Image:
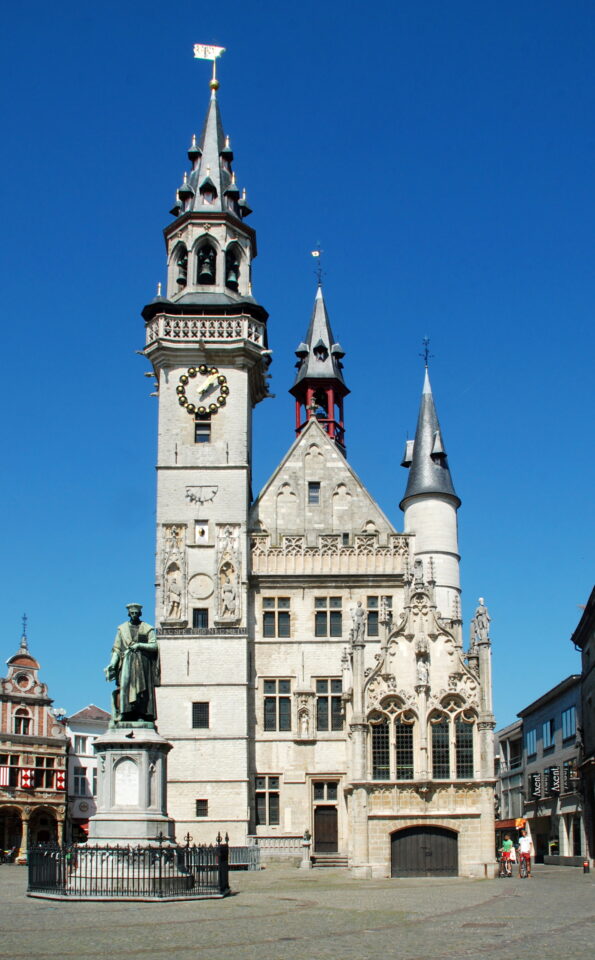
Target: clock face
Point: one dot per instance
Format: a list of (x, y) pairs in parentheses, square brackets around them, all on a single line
[(202, 390)]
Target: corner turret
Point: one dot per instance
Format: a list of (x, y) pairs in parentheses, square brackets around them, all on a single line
[(430, 505)]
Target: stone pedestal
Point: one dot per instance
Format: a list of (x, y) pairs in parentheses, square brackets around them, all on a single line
[(131, 787)]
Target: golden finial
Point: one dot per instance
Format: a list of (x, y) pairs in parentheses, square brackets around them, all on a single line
[(227, 142)]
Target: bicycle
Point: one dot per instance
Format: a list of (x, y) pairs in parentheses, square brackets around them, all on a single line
[(505, 867), (523, 871)]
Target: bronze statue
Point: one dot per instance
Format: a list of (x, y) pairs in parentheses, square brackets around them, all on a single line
[(134, 667)]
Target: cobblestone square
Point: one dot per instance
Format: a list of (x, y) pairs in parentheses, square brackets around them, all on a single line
[(282, 913)]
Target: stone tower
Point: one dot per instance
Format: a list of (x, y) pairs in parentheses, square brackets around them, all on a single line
[(207, 342)]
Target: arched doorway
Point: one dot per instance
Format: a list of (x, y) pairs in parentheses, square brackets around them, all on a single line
[(424, 852), (11, 829), (42, 827)]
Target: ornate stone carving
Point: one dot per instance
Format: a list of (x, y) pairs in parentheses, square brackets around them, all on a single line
[(200, 495), (228, 575), (174, 571)]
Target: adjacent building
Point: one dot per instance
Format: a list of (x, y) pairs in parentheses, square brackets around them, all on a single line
[(510, 788), (584, 639), (314, 676), (553, 806), (82, 729), (33, 750)]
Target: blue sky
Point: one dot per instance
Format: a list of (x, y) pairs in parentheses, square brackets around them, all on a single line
[(441, 154)]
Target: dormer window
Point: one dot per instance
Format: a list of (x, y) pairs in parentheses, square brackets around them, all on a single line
[(208, 190), (206, 259), (320, 351), (22, 722)]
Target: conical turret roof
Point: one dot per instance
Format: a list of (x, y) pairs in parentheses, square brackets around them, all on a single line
[(425, 457), (319, 355)]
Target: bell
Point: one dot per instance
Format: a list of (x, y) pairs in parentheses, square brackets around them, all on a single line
[(232, 277), (205, 274)]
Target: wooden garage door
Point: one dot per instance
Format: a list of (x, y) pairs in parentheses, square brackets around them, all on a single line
[(424, 852), (325, 830)]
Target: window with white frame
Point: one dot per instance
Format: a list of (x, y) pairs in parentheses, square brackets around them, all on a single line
[(22, 722), (80, 744)]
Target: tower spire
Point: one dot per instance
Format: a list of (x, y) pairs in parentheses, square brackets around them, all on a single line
[(425, 457), (319, 387)]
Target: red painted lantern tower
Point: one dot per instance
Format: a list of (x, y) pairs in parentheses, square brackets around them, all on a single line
[(319, 387)]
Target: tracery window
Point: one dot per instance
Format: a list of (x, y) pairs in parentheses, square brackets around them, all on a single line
[(464, 748), (440, 749), (392, 743), (452, 741), (380, 750), (404, 748)]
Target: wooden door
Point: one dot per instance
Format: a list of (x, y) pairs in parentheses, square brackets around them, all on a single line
[(326, 834), (424, 852)]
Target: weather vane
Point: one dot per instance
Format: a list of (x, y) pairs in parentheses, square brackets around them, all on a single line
[(24, 624), (317, 254), (426, 350), (204, 52)]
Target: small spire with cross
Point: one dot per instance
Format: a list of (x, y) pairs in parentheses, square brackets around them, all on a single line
[(24, 636), (425, 354)]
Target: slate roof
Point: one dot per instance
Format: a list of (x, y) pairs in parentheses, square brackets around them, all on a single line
[(319, 356), (426, 457)]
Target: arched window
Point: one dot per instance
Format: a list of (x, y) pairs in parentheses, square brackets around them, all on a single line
[(464, 747), (380, 749), (181, 266), (404, 747), (22, 722), (206, 264), (232, 267), (440, 748)]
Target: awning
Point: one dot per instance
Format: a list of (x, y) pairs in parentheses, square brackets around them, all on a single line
[(516, 824)]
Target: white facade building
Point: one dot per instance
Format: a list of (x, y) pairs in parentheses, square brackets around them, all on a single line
[(313, 672), (82, 730)]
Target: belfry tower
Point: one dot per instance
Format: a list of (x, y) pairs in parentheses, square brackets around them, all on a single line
[(207, 342), (319, 387)]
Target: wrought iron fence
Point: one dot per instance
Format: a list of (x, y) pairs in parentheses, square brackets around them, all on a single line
[(122, 872)]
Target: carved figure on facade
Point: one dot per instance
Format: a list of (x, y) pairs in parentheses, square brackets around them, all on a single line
[(423, 672), (480, 625), (174, 571), (228, 578), (174, 594), (358, 618)]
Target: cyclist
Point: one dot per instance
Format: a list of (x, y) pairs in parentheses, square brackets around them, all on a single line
[(506, 851), (525, 851)]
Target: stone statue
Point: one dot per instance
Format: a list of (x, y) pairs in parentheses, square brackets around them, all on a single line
[(358, 615), (422, 671), (174, 598), (482, 622), (134, 667), (228, 599)]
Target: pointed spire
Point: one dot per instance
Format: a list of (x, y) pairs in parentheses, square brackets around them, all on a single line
[(319, 355), (425, 457), (24, 643), (211, 185)]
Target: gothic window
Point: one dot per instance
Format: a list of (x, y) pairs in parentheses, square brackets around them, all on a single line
[(380, 750), (328, 617), (267, 801), (440, 749), (232, 267), (277, 705), (181, 266), (22, 722), (80, 782), (200, 715), (202, 808), (329, 713), (276, 619), (404, 748), (314, 492), (206, 264), (464, 748)]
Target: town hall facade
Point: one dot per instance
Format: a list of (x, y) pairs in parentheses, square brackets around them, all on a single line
[(314, 679)]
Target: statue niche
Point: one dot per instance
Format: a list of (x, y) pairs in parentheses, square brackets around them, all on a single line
[(173, 593)]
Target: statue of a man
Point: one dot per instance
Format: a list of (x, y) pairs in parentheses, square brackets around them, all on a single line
[(134, 667), (228, 599), (482, 621), (358, 615)]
